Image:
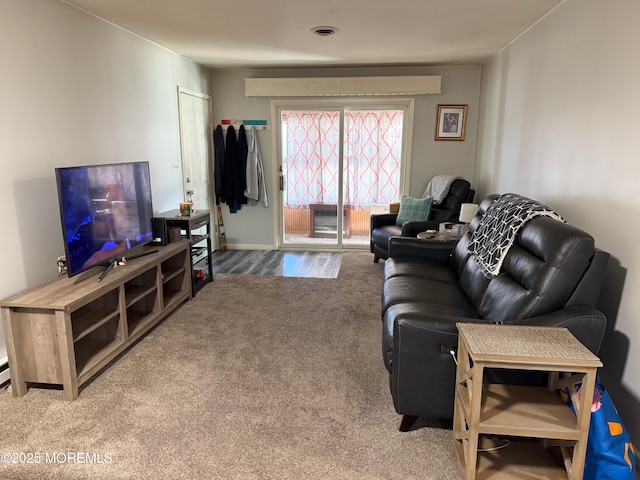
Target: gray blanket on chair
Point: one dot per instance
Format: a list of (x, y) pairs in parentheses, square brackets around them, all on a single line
[(439, 187)]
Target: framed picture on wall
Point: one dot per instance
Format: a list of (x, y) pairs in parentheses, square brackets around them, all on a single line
[(451, 122)]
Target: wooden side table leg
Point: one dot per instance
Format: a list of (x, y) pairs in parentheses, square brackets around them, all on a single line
[(474, 419), (466, 423), (583, 418), (460, 426)]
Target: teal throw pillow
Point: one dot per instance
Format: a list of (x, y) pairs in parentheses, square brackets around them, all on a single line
[(414, 210)]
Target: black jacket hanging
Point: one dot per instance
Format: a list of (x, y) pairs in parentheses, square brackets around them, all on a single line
[(243, 151), (218, 161), (230, 153), (234, 170)]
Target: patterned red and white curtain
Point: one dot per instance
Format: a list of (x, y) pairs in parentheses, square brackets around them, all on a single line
[(372, 153)]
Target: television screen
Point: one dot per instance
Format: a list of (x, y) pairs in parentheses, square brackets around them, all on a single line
[(105, 211)]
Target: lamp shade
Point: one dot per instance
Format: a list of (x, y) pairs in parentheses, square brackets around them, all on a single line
[(467, 212)]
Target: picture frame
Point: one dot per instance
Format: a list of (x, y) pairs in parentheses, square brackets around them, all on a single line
[(451, 122)]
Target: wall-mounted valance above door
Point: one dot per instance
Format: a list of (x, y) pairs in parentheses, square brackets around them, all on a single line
[(342, 86)]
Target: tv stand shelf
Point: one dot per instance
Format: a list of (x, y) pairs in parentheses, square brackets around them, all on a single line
[(65, 331)]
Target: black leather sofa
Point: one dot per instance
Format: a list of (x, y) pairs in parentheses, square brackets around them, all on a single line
[(383, 226), (551, 275)]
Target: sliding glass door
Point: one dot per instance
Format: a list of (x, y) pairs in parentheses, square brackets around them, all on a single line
[(371, 164), (311, 146), (336, 165)]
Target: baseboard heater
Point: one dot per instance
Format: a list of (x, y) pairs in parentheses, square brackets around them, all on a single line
[(4, 370)]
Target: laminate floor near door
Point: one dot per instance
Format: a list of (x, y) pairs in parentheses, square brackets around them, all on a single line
[(277, 263)]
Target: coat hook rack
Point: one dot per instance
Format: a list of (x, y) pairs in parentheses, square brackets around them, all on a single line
[(258, 124)]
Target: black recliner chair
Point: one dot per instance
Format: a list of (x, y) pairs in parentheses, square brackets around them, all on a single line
[(384, 226)]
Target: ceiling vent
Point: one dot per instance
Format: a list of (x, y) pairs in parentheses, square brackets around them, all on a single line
[(324, 31)]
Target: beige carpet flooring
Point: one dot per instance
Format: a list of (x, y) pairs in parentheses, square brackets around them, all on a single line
[(258, 377)]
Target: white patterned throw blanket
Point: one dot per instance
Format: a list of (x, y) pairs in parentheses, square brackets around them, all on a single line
[(499, 226)]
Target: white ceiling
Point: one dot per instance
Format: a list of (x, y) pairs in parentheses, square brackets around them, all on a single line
[(276, 33)]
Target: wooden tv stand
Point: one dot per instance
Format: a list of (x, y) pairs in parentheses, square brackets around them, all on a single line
[(63, 332)]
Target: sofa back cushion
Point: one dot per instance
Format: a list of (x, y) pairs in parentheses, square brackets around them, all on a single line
[(539, 273)]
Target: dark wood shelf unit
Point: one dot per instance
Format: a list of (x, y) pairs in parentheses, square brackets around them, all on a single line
[(197, 229)]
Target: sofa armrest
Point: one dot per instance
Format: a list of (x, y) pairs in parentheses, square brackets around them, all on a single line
[(382, 219), (585, 323), (411, 229), (419, 334), (414, 247), (422, 373), (416, 352)]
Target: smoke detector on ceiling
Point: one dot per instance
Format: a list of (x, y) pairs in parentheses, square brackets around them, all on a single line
[(324, 31)]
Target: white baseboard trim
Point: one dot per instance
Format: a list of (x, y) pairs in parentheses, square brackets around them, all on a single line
[(246, 246), (305, 248)]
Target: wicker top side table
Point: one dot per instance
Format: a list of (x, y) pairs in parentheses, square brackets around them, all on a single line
[(503, 431)]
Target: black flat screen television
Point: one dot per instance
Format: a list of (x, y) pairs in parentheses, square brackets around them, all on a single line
[(106, 210)]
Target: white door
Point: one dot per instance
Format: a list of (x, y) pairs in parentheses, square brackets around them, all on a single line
[(195, 135)]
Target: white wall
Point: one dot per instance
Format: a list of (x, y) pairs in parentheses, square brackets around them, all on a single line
[(253, 226), (76, 90), (559, 122)]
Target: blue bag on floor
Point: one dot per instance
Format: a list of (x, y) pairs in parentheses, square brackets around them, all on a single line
[(610, 453)]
